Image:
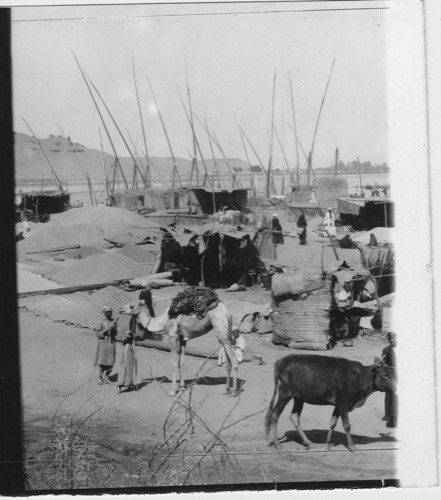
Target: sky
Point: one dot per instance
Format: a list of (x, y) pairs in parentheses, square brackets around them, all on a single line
[(231, 52)]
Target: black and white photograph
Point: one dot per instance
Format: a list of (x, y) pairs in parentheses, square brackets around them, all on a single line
[(212, 248)]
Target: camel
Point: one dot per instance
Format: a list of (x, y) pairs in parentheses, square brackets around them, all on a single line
[(186, 327)]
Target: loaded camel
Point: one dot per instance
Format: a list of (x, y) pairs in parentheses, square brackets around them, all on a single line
[(184, 327)]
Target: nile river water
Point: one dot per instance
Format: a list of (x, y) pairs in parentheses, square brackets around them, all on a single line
[(80, 192)]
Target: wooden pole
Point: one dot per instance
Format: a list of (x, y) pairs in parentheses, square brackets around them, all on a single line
[(318, 120), (117, 163), (106, 181), (175, 167), (148, 174), (336, 162), (135, 166), (93, 200), (56, 178), (253, 149), (268, 179), (212, 153), (194, 161), (194, 167), (295, 132)]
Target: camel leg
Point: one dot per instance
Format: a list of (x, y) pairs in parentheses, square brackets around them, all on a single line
[(235, 367), (347, 428), (181, 359), (295, 419), (332, 424), (175, 361), (228, 382)]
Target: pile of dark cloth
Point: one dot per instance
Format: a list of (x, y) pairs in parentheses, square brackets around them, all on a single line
[(193, 300)]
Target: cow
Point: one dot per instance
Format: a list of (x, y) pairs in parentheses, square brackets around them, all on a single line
[(324, 380)]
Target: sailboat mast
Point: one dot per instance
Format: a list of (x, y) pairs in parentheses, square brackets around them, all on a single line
[(295, 133), (268, 179), (106, 181), (175, 167), (117, 162), (148, 174), (56, 178), (318, 121)]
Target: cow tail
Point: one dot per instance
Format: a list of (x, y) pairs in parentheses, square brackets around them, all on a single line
[(269, 414)]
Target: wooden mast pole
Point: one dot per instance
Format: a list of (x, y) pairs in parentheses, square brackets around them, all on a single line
[(206, 174), (117, 162), (136, 168), (93, 200), (336, 162), (175, 167), (282, 149), (212, 152), (106, 180), (194, 161), (56, 178), (268, 179), (148, 173), (318, 121), (295, 132)]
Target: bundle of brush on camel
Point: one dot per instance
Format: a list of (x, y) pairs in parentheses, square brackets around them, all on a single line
[(194, 312)]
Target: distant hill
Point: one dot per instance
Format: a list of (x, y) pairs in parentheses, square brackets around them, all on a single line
[(30, 162)]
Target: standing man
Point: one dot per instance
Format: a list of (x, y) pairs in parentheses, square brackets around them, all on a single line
[(277, 231), (301, 228), (390, 400), (146, 296), (106, 332)]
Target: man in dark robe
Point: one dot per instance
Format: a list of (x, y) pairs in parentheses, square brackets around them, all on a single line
[(390, 400), (301, 228), (146, 296), (192, 262), (277, 231)]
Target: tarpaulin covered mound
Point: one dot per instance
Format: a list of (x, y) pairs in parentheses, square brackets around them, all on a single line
[(382, 235), (100, 268), (84, 309), (145, 253), (53, 237), (111, 220)]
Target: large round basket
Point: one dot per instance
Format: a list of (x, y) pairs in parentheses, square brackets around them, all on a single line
[(301, 320)]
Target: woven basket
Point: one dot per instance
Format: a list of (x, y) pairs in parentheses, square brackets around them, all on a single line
[(301, 321)]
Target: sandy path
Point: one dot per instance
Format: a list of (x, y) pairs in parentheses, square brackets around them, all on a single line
[(56, 362)]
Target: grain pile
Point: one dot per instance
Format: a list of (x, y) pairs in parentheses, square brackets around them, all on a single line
[(111, 220), (52, 237), (100, 268), (82, 253), (30, 282), (83, 309), (144, 253)]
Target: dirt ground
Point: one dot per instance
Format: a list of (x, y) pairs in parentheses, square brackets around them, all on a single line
[(59, 381)]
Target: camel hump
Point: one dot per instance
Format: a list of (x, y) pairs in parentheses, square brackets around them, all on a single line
[(193, 300)]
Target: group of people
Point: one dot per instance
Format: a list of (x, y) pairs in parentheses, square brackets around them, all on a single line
[(105, 356)]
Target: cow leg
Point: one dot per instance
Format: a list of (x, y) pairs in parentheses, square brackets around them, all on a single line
[(295, 419), (347, 428), (282, 401), (332, 424)]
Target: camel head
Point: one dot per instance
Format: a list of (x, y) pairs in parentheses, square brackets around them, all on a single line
[(132, 309)]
